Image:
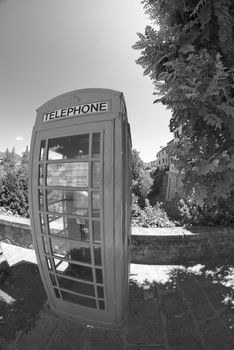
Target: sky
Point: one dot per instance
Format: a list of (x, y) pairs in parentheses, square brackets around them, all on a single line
[(49, 47)]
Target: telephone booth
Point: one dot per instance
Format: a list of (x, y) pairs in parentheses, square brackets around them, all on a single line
[(80, 198)]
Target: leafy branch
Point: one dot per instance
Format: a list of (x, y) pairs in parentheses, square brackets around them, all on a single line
[(189, 58)]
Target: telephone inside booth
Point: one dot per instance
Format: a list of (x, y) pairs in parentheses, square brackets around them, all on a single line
[(80, 198)]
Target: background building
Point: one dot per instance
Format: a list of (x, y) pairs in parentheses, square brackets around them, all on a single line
[(175, 187), (163, 156), (172, 179)]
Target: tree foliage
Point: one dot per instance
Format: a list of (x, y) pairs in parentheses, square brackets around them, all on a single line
[(137, 165), (14, 183), (151, 216), (9, 161), (157, 183), (137, 172), (141, 179), (188, 52)]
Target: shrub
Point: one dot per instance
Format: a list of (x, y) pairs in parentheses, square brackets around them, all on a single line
[(14, 184), (151, 216), (172, 209), (210, 213), (157, 176)]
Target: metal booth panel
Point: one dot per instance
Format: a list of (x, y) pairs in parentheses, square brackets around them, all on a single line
[(122, 213), (72, 208)]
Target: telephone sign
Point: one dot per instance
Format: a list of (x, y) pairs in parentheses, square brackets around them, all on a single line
[(89, 108)]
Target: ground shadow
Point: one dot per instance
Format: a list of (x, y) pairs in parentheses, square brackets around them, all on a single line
[(195, 303), (22, 296)]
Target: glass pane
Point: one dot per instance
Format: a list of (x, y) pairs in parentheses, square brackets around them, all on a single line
[(77, 229), (100, 292), (77, 299), (68, 174), (58, 201), (101, 305), (99, 278), (42, 150), (97, 256), (75, 286), (81, 203), (78, 271), (57, 226), (56, 293), (68, 202), (49, 265), (96, 231), (95, 204), (53, 281), (45, 245), (95, 174), (69, 147), (70, 250), (41, 200), (41, 175), (42, 223), (60, 265), (96, 145)]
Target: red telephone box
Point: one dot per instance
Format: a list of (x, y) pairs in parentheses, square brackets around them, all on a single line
[(80, 198)]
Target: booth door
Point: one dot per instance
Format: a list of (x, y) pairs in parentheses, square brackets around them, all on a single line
[(72, 212)]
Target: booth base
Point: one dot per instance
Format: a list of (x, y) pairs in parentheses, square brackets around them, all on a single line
[(84, 322)]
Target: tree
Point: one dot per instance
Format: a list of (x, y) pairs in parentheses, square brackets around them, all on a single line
[(145, 185), (9, 161), (14, 183), (188, 53), (25, 159), (137, 165), (23, 177), (157, 182), (137, 172), (141, 180)]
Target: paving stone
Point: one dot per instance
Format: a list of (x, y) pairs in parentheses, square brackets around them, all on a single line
[(216, 293), (139, 347), (39, 336), (227, 317), (173, 303), (142, 292), (68, 335), (103, 339), (196, 299), (185, 346), (135, 292), (4, 344), (144, 324), (21, 299), (181, 332), (216, 337)]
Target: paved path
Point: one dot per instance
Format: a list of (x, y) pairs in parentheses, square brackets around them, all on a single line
[(177, 308), (15, 254)]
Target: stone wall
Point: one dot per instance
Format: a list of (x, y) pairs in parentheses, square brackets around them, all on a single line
[(179, 245), (175, 186), (16, 230), (149, 246)]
